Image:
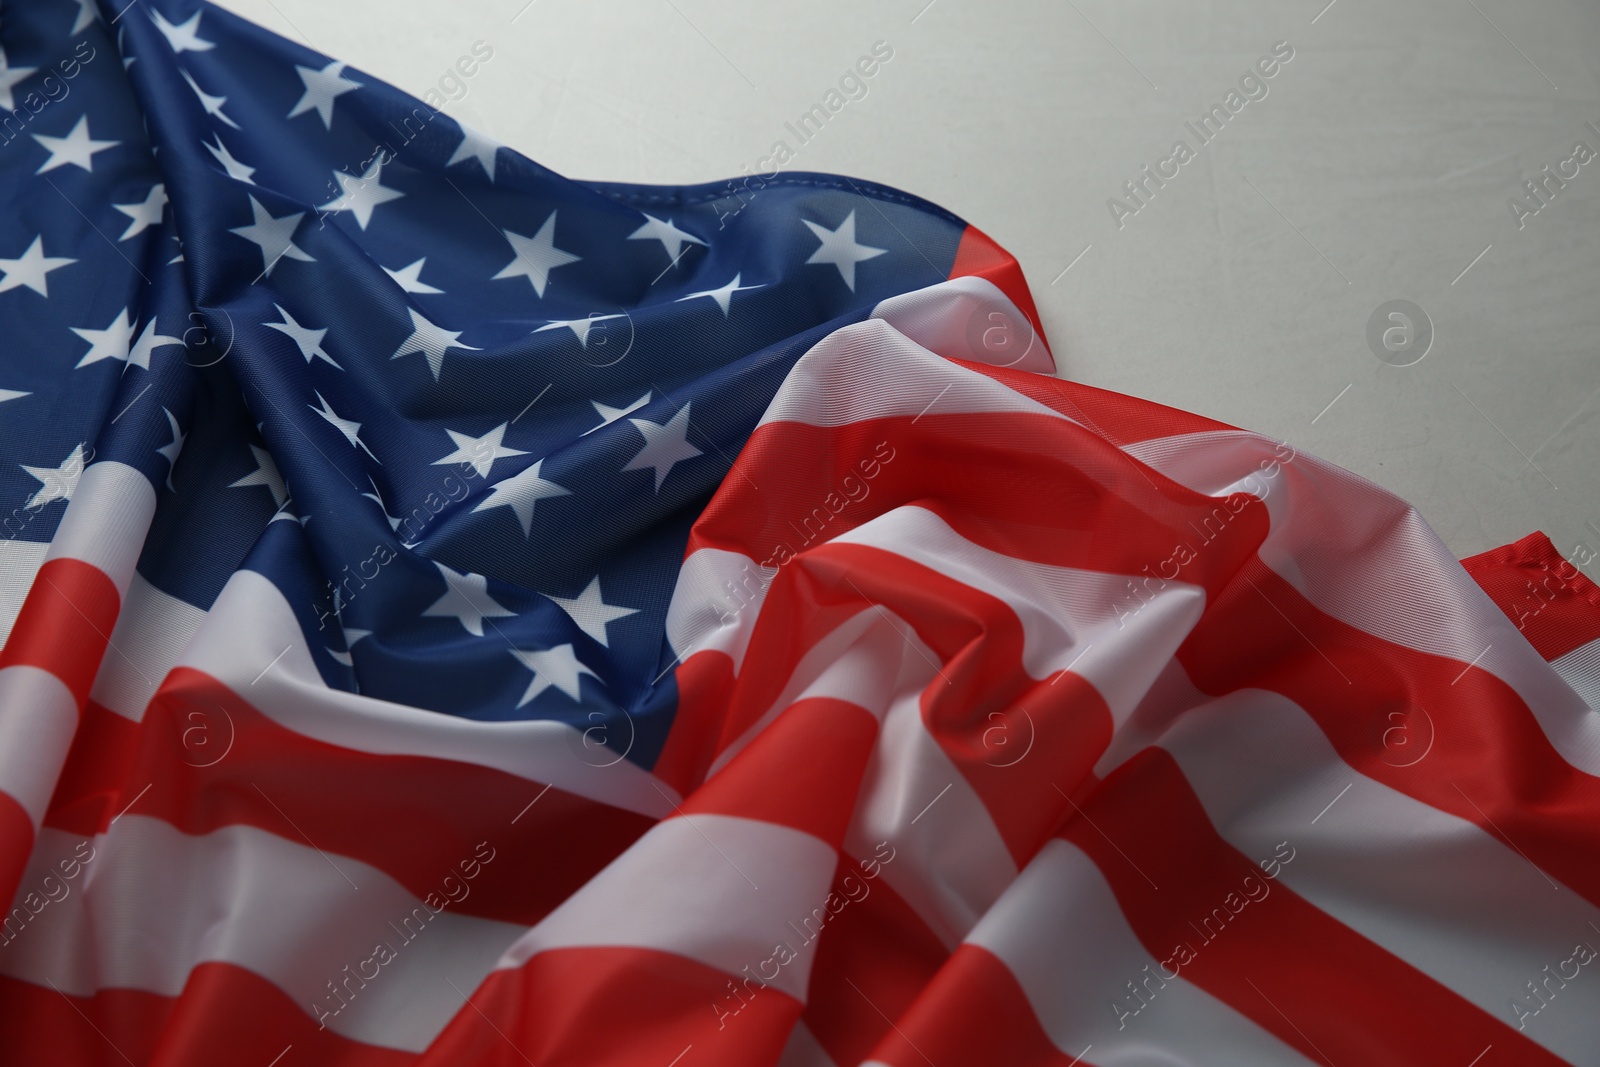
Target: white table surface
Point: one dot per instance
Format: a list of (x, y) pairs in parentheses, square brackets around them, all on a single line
[(1378, 166)]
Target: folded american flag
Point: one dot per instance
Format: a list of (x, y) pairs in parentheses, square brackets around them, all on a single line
[(453, 614)]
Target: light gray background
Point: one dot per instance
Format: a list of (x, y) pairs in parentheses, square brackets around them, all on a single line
[(1379, 166)]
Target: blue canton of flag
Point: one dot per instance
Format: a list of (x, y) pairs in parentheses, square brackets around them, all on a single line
[(460, 409)]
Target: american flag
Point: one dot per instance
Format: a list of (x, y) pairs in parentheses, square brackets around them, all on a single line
[(454, 614)]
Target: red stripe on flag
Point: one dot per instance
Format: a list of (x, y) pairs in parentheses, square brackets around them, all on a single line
[(802, 771), (974, 1014), (1490, 748), (1554, 604), (876, 954), (615, 1007), (16, 843), (705, 686), (979, 256), (1490, 761), (1280, 961), (997, 478), (799, 612), (225, 1014), (65, 624), (414, 818), (1121, 419), (987, 701), (85, 798)]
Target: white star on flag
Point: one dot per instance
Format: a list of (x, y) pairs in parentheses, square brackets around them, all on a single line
[(182, 37), (557, 668), (309, 341), (117, 342), (266, 474), (211, 104), (56, 483), (839, 248), (30, 269), (431, 340), (360, 196), (536, 256), (410, 278), (724, 295), (170, 451), (350, 429), (377, 498), (475, 145), (609, 414), (76, 148), (274, 236), (466, 600), (323, 87), (672, 239), (665, 446), (146, 213), (139, 355), (235, 169), (9, 77), (521, 493), (87, 13), (109, 343), (481, 452), (590, 611), (351, 636)]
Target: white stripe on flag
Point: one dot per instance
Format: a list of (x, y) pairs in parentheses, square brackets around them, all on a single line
[(716, 889), (1405, 588), (950, 862), (38, 717), (19, 563), (1580, 669), (1061, 933), (968, 318), (1069, 616), (252, 642), (1423, 884), (152, 631), (153, 903), (869, 370), (106, 523)]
